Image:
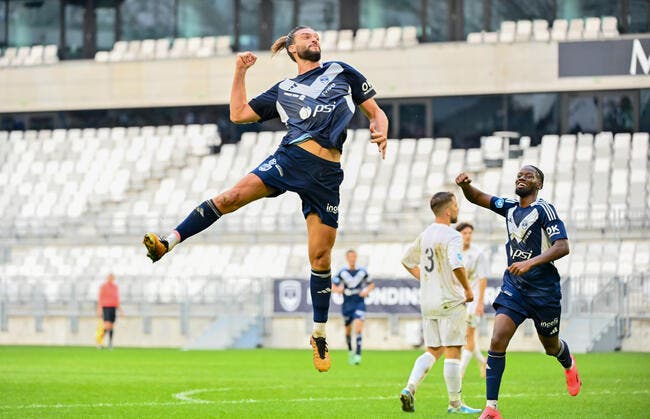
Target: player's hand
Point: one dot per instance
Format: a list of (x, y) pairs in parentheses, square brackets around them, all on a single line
[(469, 296), (520, 268), (480, 310), (245, 60), (380, 139), (463, 179), (363, 293)]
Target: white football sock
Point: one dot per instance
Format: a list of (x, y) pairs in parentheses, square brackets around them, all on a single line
[(491, 403), (478, 355), (465, 357), (453, 380), (172, 240), (319, 330), (420, 369)]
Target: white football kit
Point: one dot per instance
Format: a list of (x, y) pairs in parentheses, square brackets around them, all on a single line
[(476, 267), (438, 251)]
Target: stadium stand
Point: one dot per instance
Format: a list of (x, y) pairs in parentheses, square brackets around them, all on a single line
[(29, 56), (332, 40), (587, 29), (76, 201), (122, 181)]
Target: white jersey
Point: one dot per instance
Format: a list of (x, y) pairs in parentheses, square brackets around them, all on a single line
[(476, 267), (437, 251)]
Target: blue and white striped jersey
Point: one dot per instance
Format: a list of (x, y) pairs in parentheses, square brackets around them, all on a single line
[(318, 104), (531, 230)]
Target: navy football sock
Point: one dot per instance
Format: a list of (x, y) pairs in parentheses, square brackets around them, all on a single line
[(496, 363), (359, 344), (320, 284), (199, 219), (564, 356), (348, 340)]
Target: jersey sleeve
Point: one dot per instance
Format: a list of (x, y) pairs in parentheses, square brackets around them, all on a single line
[(553, 226), (264, 104), (411, 258), (501, 205), (362, 89), (455, 252)]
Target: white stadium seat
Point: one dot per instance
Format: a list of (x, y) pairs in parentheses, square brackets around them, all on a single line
[(540, 30), (524, 30), (559, 30), (610, 27), (576, 29), (507, 31)]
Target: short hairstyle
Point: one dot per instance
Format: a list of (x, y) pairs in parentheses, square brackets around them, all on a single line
[(350, 251), (462, 226), (439, 201), (540, 174)]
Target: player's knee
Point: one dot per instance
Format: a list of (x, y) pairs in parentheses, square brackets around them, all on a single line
[(320, 259), (229, 200), (499, 342)]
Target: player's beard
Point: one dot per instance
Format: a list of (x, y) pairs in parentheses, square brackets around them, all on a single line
[(453, 219), (524, 192), (309, 55)]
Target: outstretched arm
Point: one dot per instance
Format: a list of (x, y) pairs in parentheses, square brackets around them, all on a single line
[(558, 249), (473, 195), (240, 111), (378, 124)]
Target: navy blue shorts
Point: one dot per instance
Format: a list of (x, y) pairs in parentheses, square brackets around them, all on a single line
[(314, 179), (353, 311), (545, 312)]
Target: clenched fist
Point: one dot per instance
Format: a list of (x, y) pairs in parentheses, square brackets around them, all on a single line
[(245, 60), (463, 179)]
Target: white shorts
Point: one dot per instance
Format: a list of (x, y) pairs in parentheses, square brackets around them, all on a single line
[(446, 331)]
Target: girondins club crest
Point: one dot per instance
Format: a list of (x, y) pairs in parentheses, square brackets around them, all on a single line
[(290, 294)]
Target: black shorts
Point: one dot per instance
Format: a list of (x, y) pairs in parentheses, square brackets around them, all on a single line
[(545, 312), (314, 179), (109, 314)]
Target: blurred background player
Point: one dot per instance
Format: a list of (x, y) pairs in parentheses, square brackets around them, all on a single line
[(316, 106), (531, 283), (355, 284), (108, 303), (435, 259), (476, 268)]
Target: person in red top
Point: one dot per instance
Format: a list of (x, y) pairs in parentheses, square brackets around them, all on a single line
[(107, 305)]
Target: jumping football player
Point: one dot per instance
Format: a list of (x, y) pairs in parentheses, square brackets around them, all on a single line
[(476, 267), (316, 106), (435, 259), (531, 283), (355, 285)]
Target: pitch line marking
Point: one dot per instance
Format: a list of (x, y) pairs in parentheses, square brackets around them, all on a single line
[(192, 401)]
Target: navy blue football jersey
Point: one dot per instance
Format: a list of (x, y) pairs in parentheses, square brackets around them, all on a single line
[(318, 104), (353, 281), (531, 230)]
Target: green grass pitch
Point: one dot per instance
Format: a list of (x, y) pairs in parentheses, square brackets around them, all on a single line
[(84, 382)]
